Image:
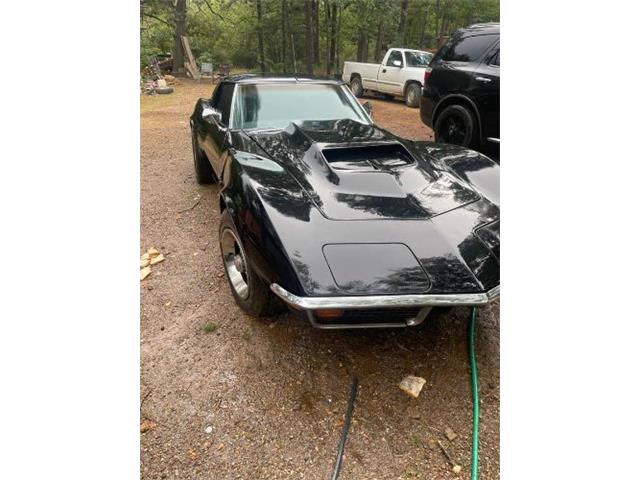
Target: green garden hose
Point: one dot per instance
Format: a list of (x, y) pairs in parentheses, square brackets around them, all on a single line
[(474, 393)]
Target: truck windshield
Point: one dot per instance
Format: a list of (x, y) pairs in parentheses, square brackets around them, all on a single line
[(276, 105), (418, 59)]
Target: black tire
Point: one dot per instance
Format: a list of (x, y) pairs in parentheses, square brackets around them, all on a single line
[(164, 90), (259, 301), (201, 165), (412, 97), (356, 86), (456, 125)]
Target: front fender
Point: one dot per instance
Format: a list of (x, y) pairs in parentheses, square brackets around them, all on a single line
[(473, 168), (247, 182)]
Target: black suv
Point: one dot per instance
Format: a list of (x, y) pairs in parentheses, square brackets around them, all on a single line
[(461, 96)]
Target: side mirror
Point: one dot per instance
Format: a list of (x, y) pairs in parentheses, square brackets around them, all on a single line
[(368, 108), (209, 113), (397, 63)]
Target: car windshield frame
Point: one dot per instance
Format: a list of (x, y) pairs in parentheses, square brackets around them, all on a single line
[(416, 53), (237, 115)]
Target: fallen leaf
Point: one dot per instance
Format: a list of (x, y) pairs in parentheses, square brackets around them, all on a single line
[(153, 252), (145, 272), (147, 425), (157, 259), (450, 434), (144, 263)]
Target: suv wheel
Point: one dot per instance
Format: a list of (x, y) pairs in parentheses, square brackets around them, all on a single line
[(413, 95), (356, 86), (456, 125)]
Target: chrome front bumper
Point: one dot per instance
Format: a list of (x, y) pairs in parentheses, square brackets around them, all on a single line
[(426, 301)]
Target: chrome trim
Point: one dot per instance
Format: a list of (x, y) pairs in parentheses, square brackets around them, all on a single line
[(412, 322), (494, 140), (377, 301), (493, 293)]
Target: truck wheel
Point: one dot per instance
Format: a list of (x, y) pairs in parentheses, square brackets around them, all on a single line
[(413, 95), (456, 125), (201, 165), (249, 291), (356, 86)]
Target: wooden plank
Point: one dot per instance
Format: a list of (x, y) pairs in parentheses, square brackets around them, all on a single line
[(193, 74), (192, 61)]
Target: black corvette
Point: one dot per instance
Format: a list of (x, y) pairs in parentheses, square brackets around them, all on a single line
[(338, 218)]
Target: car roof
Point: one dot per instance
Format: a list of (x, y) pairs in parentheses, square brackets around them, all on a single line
[(253, 78), (409, 49), (492, 27)]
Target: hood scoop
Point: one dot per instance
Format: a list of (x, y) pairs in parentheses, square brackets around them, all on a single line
[(375, 179), (368, 158)]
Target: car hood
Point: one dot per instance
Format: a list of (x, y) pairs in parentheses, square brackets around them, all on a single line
[(353, 171), (375, 221)]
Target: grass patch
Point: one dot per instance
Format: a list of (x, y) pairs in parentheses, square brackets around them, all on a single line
[(149, 103), (210, 327)]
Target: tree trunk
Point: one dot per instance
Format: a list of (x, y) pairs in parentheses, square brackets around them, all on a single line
[(402, 26), (424, 17), (181, 28), (260, 37), (308, 40), (378, 51), (334, 32), (338, 25), (359, 44), (363, 45), (327, 21), (436, 30), (446, 22), (293, 54), (316, 31), (284, 35)]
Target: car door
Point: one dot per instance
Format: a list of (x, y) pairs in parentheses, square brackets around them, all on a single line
[(390, 74), (486, 92), (216, 125)]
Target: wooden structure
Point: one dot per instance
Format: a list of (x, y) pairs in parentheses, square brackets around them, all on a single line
[(190, 63)]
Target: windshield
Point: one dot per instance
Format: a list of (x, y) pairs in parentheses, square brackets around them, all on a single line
[(418, 59), (276, 105)]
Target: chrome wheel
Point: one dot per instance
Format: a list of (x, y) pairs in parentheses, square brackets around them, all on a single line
[(356, 87), (235, 263), (412, 95)]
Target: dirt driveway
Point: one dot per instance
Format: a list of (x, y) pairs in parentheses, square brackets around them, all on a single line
[(229, 397)]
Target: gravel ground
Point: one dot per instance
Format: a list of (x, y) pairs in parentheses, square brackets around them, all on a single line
[(230, 397)]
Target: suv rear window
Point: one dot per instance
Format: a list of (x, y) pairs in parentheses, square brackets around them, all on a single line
[(466, 49)]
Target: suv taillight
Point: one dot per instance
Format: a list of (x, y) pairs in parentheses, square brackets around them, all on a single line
[(427, 74)]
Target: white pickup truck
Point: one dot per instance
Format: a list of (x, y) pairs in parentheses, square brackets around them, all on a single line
[(401, 74)]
